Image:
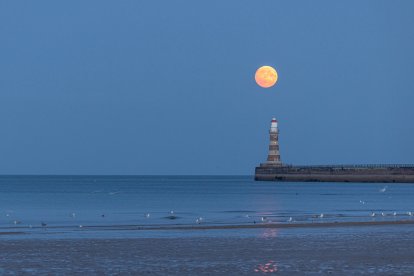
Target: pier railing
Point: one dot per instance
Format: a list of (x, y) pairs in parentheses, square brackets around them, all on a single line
[(353, 166)]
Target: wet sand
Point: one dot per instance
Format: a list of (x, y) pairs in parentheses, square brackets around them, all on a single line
[(7, 231), (383, 250), (283, 225)]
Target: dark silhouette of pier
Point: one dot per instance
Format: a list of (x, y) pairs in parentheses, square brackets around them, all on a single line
[(382, 173)]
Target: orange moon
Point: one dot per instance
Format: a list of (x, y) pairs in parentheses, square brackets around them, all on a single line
[(266, 76)]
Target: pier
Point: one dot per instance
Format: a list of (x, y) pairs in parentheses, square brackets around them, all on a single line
[(393, 173), (274, 170)]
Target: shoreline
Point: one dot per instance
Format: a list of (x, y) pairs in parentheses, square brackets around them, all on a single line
[(213, 227), (285, 225)]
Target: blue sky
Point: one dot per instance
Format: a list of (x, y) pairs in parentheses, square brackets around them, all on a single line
[(167, 87)]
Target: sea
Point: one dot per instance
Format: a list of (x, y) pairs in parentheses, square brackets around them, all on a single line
[(60, 207)]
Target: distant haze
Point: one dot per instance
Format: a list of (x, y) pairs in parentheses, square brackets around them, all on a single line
[(167, 87)]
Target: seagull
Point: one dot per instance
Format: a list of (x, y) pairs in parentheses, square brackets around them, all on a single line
[(16, 222), (321, 215), (383, 189), (373, 214), (362, 202), (198, 221), (80, 226), (394, 214), (247, 216), (147, 215), (409, 213), (382, 214), (290, 219), (263, 218), (73, 215)]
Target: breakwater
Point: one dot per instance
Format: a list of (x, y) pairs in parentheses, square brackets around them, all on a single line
[(395, 173)]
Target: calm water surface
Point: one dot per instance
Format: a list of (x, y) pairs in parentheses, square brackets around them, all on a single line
[(68, 204)]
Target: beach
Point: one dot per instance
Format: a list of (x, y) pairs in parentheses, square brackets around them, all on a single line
[(375, 250), (143, 225)]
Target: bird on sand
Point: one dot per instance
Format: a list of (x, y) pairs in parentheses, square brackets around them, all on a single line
[(382, 190)]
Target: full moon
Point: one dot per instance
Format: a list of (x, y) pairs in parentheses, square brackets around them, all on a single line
[(266, 76)]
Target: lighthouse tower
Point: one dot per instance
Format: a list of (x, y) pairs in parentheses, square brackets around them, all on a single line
[(273, 158)]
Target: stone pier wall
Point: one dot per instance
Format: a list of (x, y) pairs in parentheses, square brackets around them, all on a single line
[(357, 173)]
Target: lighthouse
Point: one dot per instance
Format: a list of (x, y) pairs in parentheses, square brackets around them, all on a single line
[(273, 158)]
